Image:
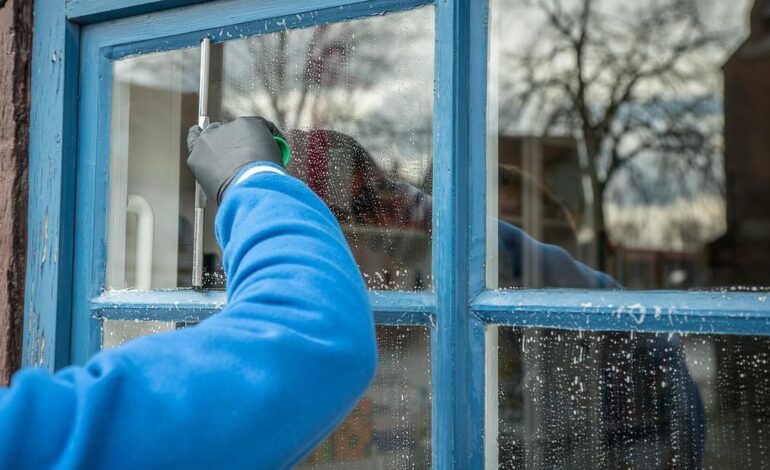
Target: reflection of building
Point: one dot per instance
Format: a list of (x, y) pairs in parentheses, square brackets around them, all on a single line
[(540, 188), (741, 256), (655, 269), (149, 161), (540, 192)]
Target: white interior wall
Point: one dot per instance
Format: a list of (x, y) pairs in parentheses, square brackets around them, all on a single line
[(153, 173)]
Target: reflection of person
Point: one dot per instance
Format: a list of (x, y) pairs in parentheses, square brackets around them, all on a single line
[(657, 413), (257, 386)]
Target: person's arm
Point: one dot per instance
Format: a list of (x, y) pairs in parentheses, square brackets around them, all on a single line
[(556, 267), (256, 386)]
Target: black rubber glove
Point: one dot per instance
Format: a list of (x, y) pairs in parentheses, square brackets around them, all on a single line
[(220, 150)]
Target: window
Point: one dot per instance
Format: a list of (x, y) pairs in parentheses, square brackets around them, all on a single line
[(561, 213)]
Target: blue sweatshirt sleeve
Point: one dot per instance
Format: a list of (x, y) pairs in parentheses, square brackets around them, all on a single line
[(257, 386)]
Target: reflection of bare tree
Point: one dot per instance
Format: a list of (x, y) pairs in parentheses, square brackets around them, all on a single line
[(313, 76), (627, 83), (326, 77), (273, 59)]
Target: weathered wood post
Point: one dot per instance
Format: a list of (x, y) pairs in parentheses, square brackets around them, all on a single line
[(15, 56)]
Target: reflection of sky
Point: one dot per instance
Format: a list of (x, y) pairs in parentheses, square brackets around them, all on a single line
[(518, 27), (518, 19), (377, 86), (382, 92)]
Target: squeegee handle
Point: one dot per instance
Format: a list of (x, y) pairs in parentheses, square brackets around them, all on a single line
[(200, 195)]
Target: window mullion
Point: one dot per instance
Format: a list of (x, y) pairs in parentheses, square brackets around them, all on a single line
[(452, 254)]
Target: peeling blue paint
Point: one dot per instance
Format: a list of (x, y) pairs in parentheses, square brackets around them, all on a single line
[(51, 181)]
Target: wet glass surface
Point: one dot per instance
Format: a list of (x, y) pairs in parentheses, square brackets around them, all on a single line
[(117, 332), (355, 102), (390, 426), (629, 138), (582, 400)]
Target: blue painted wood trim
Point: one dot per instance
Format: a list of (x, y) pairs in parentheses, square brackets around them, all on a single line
[(477, 393), (53, 143), (91, 11), (92, 191), (476, 186), (477, 213), (96, 335), (94, 11), (232, 19), (450, 351), (746, 313), (403, 308), (390, 308), (169, 306)]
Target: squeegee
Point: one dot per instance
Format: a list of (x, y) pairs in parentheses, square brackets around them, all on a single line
[(200, 195)]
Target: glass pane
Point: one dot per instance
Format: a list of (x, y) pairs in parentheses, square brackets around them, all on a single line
[(355, 101), (581, 400), (389, 428), (629, 138), (117, 332)]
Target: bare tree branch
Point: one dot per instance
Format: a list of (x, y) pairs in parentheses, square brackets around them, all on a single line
[(625, 85)]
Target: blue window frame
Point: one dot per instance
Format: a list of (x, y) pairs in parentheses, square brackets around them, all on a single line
[(75, 43)]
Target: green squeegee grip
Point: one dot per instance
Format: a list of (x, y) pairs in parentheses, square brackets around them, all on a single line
[(285, 150)]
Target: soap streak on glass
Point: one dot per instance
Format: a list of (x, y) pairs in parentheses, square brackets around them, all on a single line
[(355, 101), (585, 400)]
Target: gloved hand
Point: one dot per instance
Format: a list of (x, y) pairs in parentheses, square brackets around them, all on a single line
[(220, 150)]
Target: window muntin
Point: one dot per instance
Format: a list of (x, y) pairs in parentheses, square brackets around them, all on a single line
[(355, 100), (627, 135)]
